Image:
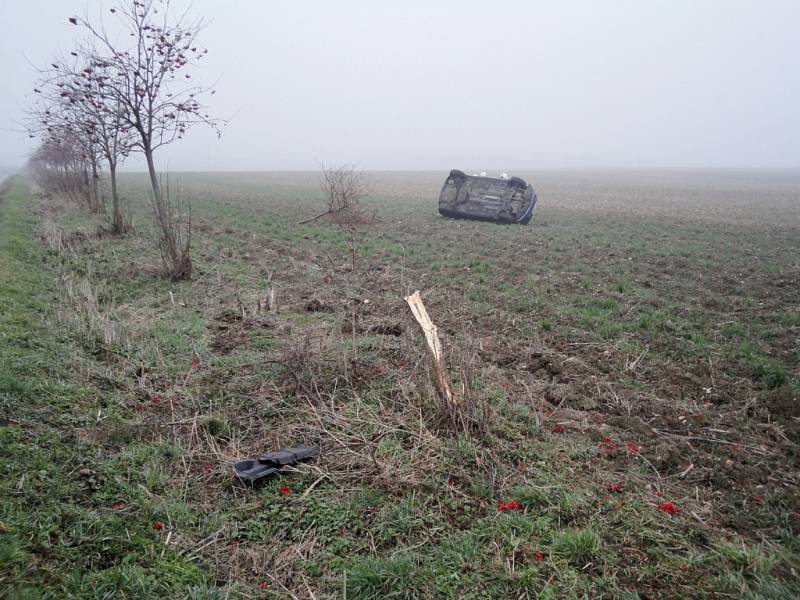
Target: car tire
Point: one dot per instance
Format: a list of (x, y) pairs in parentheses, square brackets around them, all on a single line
[(526, 217), (457, 175), (504, 218), (517, 182)]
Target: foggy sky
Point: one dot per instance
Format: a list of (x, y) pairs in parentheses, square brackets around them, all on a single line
[(437, 85)]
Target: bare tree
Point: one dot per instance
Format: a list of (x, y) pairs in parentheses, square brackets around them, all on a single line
[(61, 166), (74, 95), (149, 83), (104, 120)]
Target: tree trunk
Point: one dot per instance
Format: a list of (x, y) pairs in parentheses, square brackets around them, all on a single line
[(96, 204), (117, 220), (87, 190), (161, 210), (151, 169), (175, 255)]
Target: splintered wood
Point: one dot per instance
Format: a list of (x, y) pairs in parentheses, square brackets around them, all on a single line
[(268, 302), (433, 346)]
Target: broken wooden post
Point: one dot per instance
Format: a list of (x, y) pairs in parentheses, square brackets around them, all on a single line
[(433, 346), (269, 302), (272, 301)]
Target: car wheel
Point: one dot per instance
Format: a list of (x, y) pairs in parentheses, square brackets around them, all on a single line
[(528, 214), (457, 175), (504, 218), (517, 182)]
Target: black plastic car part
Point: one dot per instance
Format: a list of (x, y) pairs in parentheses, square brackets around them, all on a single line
[(479, 198), (253, 469)]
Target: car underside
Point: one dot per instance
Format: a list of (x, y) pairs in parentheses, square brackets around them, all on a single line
[(481, 198)]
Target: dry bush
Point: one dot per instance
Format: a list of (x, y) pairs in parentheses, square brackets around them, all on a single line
[(469, 413), (174, 231), (54, 237), (415, 412), (344, 187), (328, 407)]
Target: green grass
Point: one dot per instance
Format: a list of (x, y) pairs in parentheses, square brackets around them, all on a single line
[(60, 536), (771, 372), (577, 547)]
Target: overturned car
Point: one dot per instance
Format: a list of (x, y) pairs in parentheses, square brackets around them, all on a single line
[(482, 198)]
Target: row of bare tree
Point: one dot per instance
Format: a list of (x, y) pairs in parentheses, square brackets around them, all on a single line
[(107, 100), (63, 167)]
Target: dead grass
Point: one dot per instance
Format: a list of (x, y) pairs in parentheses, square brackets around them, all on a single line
[(81, 311)]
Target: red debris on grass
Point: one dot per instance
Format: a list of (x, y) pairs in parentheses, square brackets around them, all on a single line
[(758, 499), (669, 508), (504, 505), (558, 428), (156, 400), (341, 406), (12, 422), (608, 445), (118, 506), (195, 362), (158, 526), (284, 490), (614, 487), (633, 448), (522, 465), (263, 585), (139, 408), (538, 556)]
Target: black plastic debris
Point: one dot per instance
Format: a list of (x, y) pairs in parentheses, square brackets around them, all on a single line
[(253, 469)]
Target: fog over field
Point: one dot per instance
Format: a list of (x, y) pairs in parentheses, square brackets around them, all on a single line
[(421, 85)]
